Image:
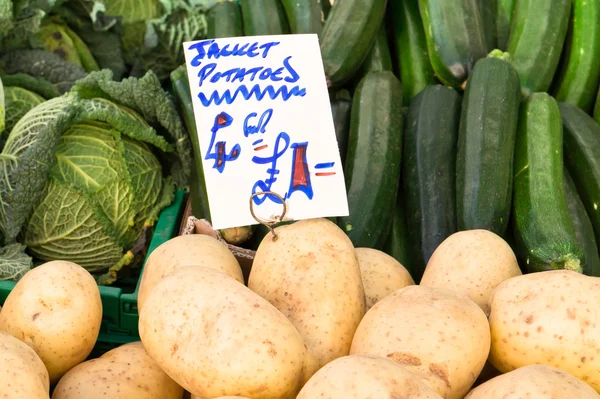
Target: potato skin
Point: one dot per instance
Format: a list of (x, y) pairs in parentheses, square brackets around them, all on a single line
[(22, 372), (441, 336), (187, 250), (471, 262), (126, 372), (311, 274), (56, 309), (381, 274), (534, 381), (216, 337), (550, 318), (365, 376)]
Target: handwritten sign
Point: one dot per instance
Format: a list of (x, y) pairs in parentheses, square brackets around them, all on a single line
[(264, 123)]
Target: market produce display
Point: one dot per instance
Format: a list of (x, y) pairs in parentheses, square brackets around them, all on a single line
[(468, 266)]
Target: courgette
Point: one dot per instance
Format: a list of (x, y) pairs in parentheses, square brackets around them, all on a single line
[(198, 192), (576, 80), (429, 171), (536, 40), (304, 16), (264, 17), (583, 227), (378, 59), (340, 111), (348, 36), (372, 168), (397, 245), (581, 148), (224, 20), (488, 10), (410, 48), (486, 143), (455, 37), (544, 231), (504, 12)]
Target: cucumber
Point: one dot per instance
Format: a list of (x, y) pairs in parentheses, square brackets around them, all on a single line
[(486, 143), (340, 111), (347, 37), (397, 245), (536, 39), (198, 192), (264, 17), (544, 232), (581, 148), (488, 10), (576, 81), (304, 16), (410, 48), (372, 169), (429, 171), (224, 20), (583, 227), (455, 37), (504, 12)]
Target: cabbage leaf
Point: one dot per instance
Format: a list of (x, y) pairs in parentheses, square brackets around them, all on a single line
[(14, 262)]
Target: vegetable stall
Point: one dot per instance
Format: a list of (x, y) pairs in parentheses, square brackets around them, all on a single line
[(468, 264)]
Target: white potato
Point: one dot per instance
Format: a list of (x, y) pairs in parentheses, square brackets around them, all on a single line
[(56, 309), (311, 274), (550, 318), (439, 335), (381, 274), (186, 250), (473, 263), (216, 337), (535, 382), (22, 372), (126, 372), (365, 376)]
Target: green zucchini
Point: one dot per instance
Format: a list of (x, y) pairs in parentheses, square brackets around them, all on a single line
[(264, 17), (378, 59), (455, 37), (224, 20), (576, 81), (372, 169), (583, 227), (581, 148), (198, 193), (340, 111), (504, 12), (536, 40), (488, 10), (304, 16), (397, 245), (429, 171), (486, 143), (410, 48), (347, 37), (544, 231)]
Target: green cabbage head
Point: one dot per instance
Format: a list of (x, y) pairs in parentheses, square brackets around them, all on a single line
[(80, 176), (102, 189)]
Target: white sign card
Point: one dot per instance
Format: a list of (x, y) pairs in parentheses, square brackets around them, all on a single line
[(264, 123)]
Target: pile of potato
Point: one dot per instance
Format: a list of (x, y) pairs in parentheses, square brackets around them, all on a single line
[(317, 318)]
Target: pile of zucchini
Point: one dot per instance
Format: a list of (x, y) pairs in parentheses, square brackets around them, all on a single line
[(457, 115)]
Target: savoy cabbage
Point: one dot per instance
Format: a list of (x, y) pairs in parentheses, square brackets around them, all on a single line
[(81, 174)]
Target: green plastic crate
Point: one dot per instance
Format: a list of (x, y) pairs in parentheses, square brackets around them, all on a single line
[(119, 305)]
